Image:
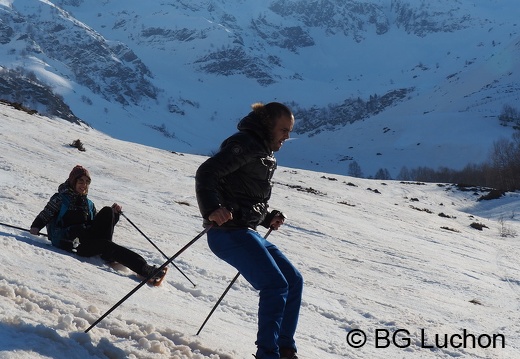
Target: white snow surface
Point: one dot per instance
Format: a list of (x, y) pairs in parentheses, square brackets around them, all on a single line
[(376, 256)]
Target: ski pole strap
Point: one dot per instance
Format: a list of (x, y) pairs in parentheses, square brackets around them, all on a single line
[(20, 228)]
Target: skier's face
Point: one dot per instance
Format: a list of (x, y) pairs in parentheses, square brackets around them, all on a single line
[(281, 131), (82, 184)]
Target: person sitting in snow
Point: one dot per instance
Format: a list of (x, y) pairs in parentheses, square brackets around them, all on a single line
[(73, 224), (233, 189)]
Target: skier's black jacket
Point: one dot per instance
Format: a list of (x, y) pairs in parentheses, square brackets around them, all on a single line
[(238, 177)]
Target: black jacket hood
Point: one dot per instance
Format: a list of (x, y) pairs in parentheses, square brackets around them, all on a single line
[(255, 124)]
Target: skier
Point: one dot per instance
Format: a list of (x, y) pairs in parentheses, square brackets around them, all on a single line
[(73, 224), (233, 188)]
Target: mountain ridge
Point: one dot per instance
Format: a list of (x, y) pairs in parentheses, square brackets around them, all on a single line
[(182, 69)]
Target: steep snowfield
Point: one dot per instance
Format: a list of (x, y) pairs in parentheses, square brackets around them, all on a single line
[(375, 257)]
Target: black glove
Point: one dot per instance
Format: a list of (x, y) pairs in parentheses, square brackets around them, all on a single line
[(269, 217)]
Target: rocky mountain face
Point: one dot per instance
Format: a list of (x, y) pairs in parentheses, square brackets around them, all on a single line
[(35, 29), (426, 17), (24, 89), (111, 68), (111, 52), (315, 120)]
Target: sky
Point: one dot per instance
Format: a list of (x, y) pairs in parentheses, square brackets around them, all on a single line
[(388, 259)]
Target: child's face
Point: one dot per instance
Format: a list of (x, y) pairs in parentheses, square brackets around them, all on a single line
[(82, 185)]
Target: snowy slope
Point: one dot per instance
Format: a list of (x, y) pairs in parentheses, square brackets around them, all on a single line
[(374, 257)]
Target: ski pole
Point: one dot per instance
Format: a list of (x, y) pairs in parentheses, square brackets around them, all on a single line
[(227, 290), (20, 228), (144, 281), (153, 244)]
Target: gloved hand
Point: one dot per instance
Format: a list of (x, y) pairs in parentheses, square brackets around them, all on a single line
[(117, 208), (274, 219)]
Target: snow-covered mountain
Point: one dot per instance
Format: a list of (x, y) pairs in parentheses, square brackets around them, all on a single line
[(402, 262), (361, 76)]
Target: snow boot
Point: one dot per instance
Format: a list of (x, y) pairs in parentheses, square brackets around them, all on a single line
[(288, 353), (157, 278)]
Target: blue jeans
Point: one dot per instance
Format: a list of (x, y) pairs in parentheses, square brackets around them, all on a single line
[(280, 285)]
